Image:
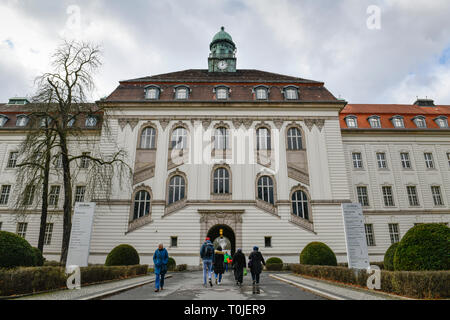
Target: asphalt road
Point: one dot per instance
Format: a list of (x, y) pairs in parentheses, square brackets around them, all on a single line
[(189, 286)]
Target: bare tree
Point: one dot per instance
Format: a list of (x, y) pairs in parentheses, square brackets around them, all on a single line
[(61, 100)]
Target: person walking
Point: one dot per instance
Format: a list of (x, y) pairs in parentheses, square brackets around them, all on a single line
[(160, 260), (227, 260), (207, 255), (238, 264), (254, 263), (219, 266)]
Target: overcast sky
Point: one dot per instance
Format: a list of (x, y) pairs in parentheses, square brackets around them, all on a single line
[(335, 41)]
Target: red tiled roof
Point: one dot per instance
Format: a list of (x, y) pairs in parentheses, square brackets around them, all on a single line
[(202, 84), (387, 111)]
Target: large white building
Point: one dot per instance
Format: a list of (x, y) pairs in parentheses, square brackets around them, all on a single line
[(266, 158)]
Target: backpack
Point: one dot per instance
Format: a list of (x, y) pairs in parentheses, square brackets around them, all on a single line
[(209, 251)]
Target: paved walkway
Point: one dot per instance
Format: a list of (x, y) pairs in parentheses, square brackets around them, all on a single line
[(94, 291), (332, 290)]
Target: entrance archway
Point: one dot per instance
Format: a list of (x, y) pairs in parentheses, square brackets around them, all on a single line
[(228, 233)]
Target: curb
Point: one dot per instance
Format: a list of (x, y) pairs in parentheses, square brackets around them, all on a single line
[(118, 290), (323, 294)]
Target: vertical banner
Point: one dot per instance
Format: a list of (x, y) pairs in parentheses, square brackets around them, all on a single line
[(80, 237), (355, 236)]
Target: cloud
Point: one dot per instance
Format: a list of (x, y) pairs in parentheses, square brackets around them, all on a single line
[(323, 40)]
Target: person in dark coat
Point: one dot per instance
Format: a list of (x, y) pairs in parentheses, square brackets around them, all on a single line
[(238, 264), (254, 262), (218, 263), (160, 260)]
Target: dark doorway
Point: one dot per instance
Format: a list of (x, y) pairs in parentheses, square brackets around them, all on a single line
[(228, 233)]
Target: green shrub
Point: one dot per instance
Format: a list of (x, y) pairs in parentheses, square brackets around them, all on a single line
[(15, 251), (52, 263), (318, 253), (424, 247), (39, 259), (171, 264), (38, 279), (181, 267), (122, 255), (274, 264), (389, 257), (274, 260), (414, 284)]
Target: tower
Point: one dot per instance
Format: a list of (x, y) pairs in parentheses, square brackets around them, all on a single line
[(222, 57)]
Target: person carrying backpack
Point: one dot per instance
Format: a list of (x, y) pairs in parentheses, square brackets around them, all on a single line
[(207, 255)]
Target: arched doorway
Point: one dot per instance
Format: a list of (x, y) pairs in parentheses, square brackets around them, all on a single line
[(227, 233)]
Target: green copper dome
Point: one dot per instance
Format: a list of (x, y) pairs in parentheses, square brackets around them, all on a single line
[(220, 36)]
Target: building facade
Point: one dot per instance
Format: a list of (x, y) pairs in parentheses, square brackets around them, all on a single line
[(265, 158)]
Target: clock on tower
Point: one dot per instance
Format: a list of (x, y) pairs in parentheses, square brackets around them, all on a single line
[(222, 57)]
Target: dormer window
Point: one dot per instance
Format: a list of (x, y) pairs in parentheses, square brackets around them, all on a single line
[(45, 122), (351, 121), (71, 122), (91, 121), (397, 121), (182, 93), (420, 122), (374, 121), (3, 120), (152, 92), (442, 122), (261, 93), (290, 93), (22, 121), (222, 92)]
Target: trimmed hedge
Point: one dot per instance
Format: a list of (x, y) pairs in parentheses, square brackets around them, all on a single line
[(414, 284), (318, 253), (424, 247), (122, 255), (26, 280), (38, 258), (181, 267), (274, 264), (15, 251), (171, 264), (389, 257)]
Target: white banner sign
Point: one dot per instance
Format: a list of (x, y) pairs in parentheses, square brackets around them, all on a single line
[(355, 236), (80, 237)]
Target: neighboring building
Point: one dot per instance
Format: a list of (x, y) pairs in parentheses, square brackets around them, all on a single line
[(264, 157), (398, 165)]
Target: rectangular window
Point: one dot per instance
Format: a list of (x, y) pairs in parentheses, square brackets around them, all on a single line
[(84, 160), (174, 242), (412, 196), (53, 196), (79, 193), (437, 198), (381, 159), (58, 162), (4, 196), (429, 160), (357, 160), (394, 233), (22, 229), (362, 196), (387, 196), (48, 234), (406, 163), (29, 195), (12, 161), (268, 242), (370, 237)]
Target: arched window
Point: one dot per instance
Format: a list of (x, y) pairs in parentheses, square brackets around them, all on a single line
[(294, 137), (179, 138), (290, 93), (177, 188), (221, 138), (141, 204), (265, 189), (3, 120), (148, 138), (300, 204), (263, 139), (22, 121), (91, 121), (221, 181)]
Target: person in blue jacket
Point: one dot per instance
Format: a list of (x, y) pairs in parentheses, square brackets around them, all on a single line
[(207, 255), (160, 260)]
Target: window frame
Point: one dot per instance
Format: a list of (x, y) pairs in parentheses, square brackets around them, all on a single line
[(3, 120), (398, 118), (21, 229), (145, 203), (290, 139), (225, 89), (224, 180), (261, 88), (445, 122), (5, 193), (53, 198), (182, 187), (88, 122), (12, 161), (152, 87), (420, 119), (300, 203), (293, 89), (375, 118), (177, 90), (363, 196), (267, 139), (185, 138), (429, 160), (388, 196), (221, 141), (22, 116), (357, 163), (80, 187), (438, 200), (150, 139), (406, 163), (351, 118), (382, 162), (370, 234), (48, 234), (394, 232), (413, 197), (270, 189)]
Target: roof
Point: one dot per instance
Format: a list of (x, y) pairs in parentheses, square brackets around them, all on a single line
[(222, 36), (202, 83), (387, 111)]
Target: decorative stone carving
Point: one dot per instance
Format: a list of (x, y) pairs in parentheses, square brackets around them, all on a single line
[(164, 123), (122, 123), (309, 123), (133, 123), (320, 123), (247, 123), (278, 123), (237, 123), (206, 123)]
